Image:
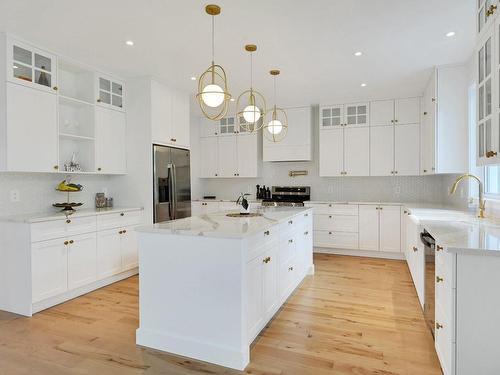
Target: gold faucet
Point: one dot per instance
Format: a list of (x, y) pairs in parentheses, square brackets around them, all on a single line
[(481, 191)]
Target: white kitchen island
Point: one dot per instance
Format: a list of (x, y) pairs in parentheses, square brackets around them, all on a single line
[(210, 283)]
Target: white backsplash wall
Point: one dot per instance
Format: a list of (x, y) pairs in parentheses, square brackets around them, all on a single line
[(37, 191)]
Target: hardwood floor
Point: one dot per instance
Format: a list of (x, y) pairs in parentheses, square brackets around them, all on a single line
[(355, 316)]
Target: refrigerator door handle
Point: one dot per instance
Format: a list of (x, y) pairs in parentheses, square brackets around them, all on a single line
[(174, 192), (170, 174)]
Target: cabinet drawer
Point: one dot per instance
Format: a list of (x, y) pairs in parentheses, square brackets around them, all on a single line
[(445, 347), (80, 225), (48, 230), (340, 240), (118, 220), (334, 209), (336, 223), (261, 239)]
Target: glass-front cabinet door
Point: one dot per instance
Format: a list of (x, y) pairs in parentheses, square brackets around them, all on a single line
[(109, 92), (331, 117), (487, 111), (486, 12), (356, 114), (31, 66)]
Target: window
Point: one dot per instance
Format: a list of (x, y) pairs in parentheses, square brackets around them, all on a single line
[(492, 180)]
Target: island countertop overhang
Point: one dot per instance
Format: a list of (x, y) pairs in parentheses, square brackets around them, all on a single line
[(218, 225)]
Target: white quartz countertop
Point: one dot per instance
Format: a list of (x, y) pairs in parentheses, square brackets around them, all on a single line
[(218, 225), (58, 215), (459, 231)]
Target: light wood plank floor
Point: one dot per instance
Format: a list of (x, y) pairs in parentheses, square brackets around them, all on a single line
[(355, 316)]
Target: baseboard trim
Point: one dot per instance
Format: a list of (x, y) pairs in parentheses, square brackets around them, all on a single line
[(188, 347), (70, 294), (360, 253)]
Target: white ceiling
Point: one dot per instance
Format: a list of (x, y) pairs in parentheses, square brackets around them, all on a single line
[(312, 42)]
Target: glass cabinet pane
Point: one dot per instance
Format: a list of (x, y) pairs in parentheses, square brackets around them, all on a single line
[(117, 88), (22, 55), (481, 102), (481, 140), (22, 72), (117, 101), (487, 58), (481, 65), (362, 110), (43, 62), (230, 120), (488, 97), (351, 111), (104, 84), (351, 120), (327, 122), (335, 112), (487, 136), (327, 112), (362, 119), (43, 78), (104, 97)]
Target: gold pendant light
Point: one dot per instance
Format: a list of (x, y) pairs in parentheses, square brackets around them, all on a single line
[(213, 94), (251, 105), (276, 127)]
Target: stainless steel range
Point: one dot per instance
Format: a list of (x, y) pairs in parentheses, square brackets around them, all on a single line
[(293, 196)]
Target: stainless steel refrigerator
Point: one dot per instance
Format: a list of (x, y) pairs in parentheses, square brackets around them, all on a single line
[(172, 183)]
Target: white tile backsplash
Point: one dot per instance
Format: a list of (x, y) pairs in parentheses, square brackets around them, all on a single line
[(37, 191)]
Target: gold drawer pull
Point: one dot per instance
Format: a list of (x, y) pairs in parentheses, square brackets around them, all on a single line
[(439, 248), (290, 268), (266, 233), (124, 231), (306, 233), (439, 279), (267, 260), (415, 248), (306, 215), (68, 221), (290, 222), (120, 232), (71, 241), (438, 326), (330, 217), (290, 241), (66, 242)]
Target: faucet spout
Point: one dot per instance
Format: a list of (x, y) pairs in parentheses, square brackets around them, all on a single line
[(482, 202)]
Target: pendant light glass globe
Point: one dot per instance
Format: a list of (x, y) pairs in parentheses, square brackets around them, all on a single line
[(251, 114), (275, 127), (213, 95)]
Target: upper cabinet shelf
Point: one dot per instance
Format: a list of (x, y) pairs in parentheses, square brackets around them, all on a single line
[(76, 82)]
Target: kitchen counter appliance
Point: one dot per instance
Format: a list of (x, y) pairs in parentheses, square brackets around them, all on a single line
[(172, 183), (293, 196)]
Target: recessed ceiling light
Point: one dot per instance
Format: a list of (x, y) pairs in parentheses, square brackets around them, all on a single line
[(450, 33), (359, 53), (363, 85), (129, 43), (193, 78)]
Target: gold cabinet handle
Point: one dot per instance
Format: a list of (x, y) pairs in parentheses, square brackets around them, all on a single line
[(55, 88), (306, 215), (99, 169), (120, 232), (329, 205), (425, 170), (68, 221), (415, 248), (71, 241), (491, 10), (290, 240), (330, 233), (266, 260), (439, 279), (290, 222), (438, 326), (439, 248), (66, 242), (266, 233), (330, 217), (173, 139), (122, 214), (290, 268), (491, 154), (99, 100), (56, 167), (124, 231), (306, 233)]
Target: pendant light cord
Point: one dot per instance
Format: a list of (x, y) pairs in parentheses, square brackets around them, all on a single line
[(251, 71), (213, 38)]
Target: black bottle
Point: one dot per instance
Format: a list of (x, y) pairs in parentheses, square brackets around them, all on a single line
[(257, 196), (268, 193)]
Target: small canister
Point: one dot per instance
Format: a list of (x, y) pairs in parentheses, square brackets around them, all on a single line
[(100, 200), (109, 202)]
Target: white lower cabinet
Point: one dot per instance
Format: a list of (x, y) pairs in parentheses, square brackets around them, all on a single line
[(49, 262), (82, 260), (369, 227), (57, 260)]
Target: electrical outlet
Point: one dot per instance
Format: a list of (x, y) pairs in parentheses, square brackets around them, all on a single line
[(15, 196)]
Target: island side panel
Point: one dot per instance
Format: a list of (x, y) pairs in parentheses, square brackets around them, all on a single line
[(190, 297)]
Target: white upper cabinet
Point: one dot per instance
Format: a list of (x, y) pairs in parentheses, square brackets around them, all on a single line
[(30, 66), (382, 151), (31, 132), (356, 114), (407, 150), (407, 111), (382, 112), (331, 148), (109, 92), (228, 157), (110, 141), (209, 128), (444, 130), (209, 151), (331, 116), (297, 145), (247, 155), (169, 116), (357, 151)]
